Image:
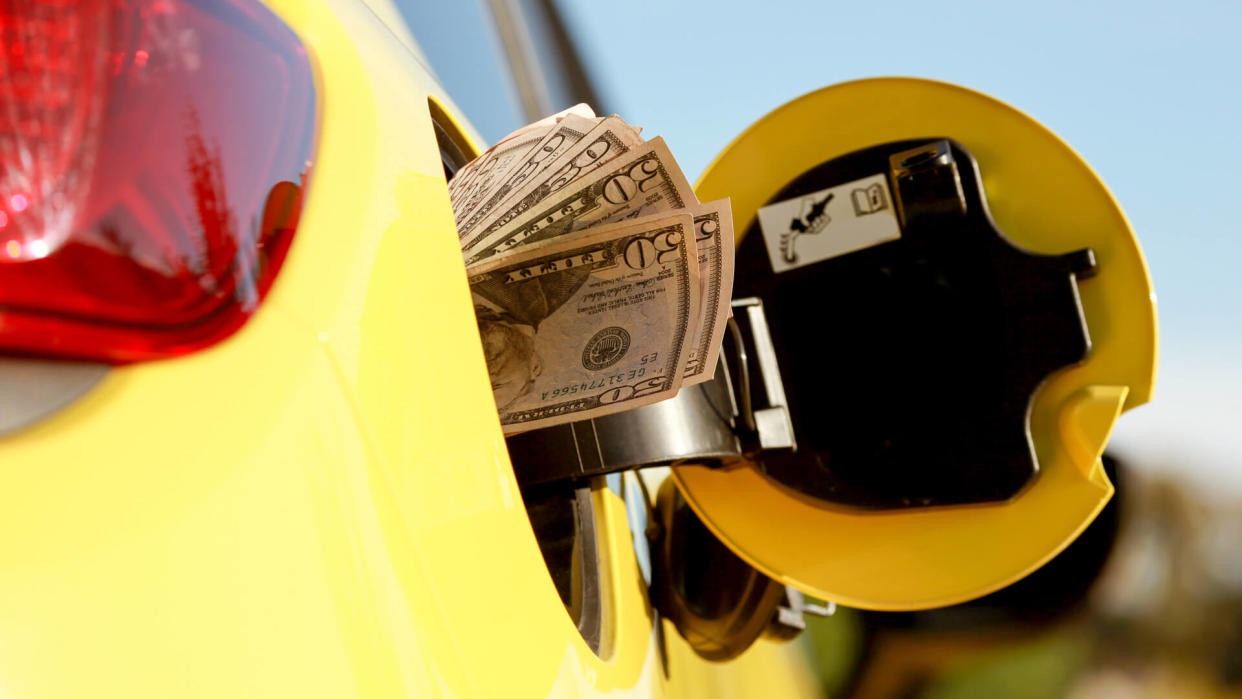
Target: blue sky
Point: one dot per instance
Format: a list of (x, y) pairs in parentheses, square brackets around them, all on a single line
[(1148, 93)]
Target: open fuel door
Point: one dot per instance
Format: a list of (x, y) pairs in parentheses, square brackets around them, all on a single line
[(945, 312)]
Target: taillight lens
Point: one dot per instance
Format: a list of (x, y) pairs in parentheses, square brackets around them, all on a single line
[(153, 155)]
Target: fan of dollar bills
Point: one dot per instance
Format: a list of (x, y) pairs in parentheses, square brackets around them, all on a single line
[(600, 282)]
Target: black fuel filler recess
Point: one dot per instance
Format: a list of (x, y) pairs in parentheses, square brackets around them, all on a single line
[(911, 365)]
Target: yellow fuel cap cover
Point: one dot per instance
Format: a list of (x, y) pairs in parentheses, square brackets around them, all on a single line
[(960, 311)]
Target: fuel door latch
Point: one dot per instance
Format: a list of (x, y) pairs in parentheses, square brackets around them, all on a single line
[(764, 421)]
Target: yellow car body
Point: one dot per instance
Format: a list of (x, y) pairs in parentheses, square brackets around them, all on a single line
[(322, 505)]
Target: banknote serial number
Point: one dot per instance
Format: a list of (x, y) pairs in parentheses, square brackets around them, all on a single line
[(601, 382), (639, 372)]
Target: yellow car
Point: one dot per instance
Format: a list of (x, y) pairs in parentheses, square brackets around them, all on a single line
[(248, 445), (248, 452)]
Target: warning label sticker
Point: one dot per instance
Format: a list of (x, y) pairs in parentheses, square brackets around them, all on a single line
[(831, 222)]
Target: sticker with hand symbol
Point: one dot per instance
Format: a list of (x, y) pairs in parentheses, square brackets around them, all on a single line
[(829, 223)]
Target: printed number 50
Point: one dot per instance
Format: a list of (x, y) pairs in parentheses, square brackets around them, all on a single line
[(638, 390), (641, 253)]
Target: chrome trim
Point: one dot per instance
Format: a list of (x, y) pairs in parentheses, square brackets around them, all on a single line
[(515, 36), (33, 389)]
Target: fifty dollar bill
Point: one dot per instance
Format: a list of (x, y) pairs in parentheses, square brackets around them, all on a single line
[(644, 181), (590, 325), (501, 180), (713, 227)]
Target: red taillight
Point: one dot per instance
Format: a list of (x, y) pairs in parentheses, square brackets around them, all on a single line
[(153, 155)]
